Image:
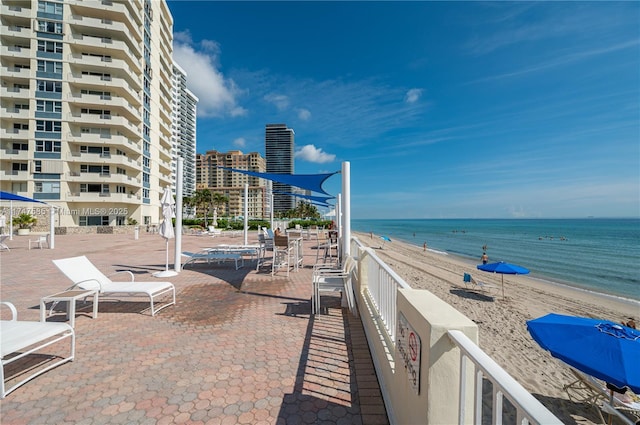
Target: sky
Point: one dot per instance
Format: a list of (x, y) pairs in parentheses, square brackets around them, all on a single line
[(442, 109)]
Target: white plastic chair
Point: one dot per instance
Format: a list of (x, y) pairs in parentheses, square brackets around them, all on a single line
[(40, 242)]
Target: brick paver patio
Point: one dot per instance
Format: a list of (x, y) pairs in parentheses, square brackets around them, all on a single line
[(240, 347)]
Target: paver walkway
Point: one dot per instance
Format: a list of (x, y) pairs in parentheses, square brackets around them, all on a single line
[(240, 347)]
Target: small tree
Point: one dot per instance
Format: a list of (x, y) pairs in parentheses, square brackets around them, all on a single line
[(24, 221)]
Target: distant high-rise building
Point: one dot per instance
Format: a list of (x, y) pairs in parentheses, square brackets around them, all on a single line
[(184, 130), (86, 107), (279, 145), (210, 176)]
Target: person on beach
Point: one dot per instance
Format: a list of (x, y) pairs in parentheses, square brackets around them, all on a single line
[(278, 232), (484, 258), (630, 324), (424, 247)]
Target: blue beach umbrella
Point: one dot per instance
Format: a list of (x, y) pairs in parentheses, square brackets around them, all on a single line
[(385, 239), (502, 268), (600, 348)]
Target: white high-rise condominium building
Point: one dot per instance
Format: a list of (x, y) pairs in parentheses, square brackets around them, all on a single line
[(184, 129), (86, 107), (279, 144)]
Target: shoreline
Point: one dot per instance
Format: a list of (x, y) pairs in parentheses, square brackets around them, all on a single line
[(543, 279), (503, 333)]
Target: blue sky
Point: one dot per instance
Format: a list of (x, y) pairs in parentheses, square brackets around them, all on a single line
[(443, 109)]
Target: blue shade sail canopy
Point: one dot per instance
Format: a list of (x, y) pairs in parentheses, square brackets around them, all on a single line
[(7, 196), (600, 348), (322, 200), (312, 182)]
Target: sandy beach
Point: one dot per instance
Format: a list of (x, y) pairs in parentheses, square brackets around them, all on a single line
[(502, 321)]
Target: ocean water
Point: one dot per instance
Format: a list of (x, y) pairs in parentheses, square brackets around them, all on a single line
[(601, 255)]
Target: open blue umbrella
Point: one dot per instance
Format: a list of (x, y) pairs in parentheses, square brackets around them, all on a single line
[(600, 348), (385, 239), (502, 268)]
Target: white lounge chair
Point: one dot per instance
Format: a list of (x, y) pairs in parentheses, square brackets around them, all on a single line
[(23, 338), (2, 244), (208, 256), (85, 275)]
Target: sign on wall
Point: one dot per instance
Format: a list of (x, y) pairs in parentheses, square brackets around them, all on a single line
[(409, 348)]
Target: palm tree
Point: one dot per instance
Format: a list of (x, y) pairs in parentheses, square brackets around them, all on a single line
[(202, 198), (217, 200), (188, 203)]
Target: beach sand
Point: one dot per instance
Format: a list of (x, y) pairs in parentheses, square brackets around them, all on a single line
[(502, 321)]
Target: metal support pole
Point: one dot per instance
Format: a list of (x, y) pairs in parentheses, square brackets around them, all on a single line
[(178, 248), (346, 208)]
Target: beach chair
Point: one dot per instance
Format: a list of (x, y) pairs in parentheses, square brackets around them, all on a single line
[(594, 392), (85, 275), (19, 339), (475, 285)]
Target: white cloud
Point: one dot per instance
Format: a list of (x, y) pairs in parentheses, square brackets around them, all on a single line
[(279, 100), (413, 95), (312, 154), (304, 114), (217, 94), (240, 142)]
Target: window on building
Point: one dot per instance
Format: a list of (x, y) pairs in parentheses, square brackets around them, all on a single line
[(94, 188), (48, 106), (93, 220), (49, 46), (50, 7), (50, 26), (19, 166), (43, 125), (100, 150), (99, 169), (20, 126), (50, 66), (48, 146), (20, 146), (37, 166), (121, 171), (47, 187), (121, 189), (50, 86)]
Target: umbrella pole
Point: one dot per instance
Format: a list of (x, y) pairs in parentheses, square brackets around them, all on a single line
[(166, 272), (502, 275), (166, 266)]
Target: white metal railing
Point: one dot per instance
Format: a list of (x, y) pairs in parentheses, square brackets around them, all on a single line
[(528, 409), (382, 285)]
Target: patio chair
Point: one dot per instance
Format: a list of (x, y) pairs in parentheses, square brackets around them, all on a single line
[(339, 279), (40, 242), (594, 392), (85, 275), (19, 339), (475, 285), (2, 244), (282, 252)]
